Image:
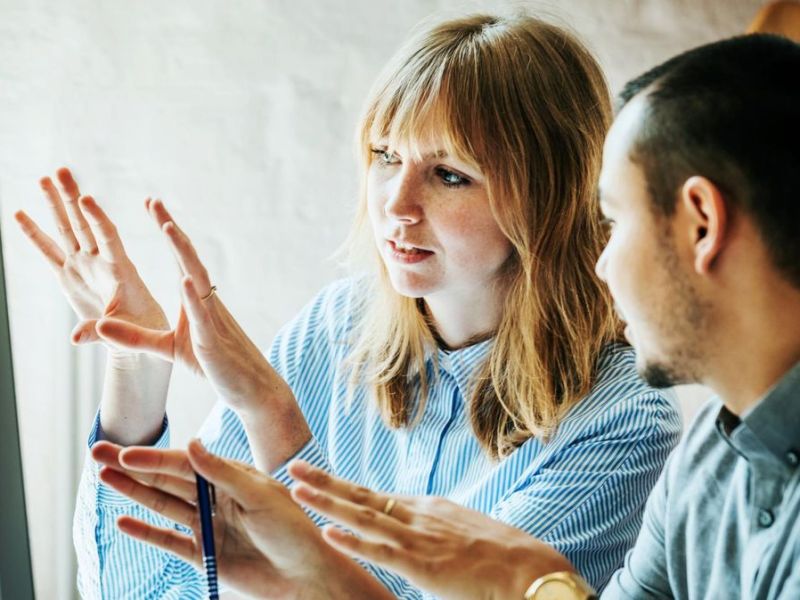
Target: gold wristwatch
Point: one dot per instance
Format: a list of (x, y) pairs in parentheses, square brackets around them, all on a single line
[(562, 585)]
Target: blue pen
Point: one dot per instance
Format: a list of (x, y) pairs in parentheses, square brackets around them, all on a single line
[(205, 504)]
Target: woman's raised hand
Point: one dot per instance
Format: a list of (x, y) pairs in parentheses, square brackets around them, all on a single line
[(90, 262), (209, 341), (206, 337), (266, 545)]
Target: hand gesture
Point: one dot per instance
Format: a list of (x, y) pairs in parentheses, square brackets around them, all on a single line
[(206, 337), (266, 545), (446, 549), (209, 340), (91, 264)]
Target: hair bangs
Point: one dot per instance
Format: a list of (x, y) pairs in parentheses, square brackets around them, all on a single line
[(431, 99)]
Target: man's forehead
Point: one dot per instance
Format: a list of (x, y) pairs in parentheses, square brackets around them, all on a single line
[(617, 165), (625, 128)]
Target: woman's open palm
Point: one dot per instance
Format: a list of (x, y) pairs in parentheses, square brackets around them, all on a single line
[(94, 271)]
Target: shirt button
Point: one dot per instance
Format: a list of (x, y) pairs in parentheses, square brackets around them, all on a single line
[(793, 458), (765, 517)]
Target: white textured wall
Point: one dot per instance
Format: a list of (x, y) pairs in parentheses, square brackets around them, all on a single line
[(240, 115)]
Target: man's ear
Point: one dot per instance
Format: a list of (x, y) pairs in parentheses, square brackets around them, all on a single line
[(707, 218)]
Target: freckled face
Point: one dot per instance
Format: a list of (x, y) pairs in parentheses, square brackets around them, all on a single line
[(432, 223), (642, 267)]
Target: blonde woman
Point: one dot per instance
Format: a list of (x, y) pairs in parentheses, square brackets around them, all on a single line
[(477, 361)]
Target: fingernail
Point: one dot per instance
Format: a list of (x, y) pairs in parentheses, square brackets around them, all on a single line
[(301, 466), (310, 492)]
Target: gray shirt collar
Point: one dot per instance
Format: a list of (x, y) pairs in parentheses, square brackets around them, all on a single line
[(770, 432)]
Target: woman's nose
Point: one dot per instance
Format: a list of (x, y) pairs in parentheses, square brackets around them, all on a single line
[(404, 197)]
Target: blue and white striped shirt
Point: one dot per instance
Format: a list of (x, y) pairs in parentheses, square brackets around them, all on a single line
[(583, 491)]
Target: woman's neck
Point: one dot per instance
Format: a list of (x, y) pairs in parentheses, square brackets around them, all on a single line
[(460, 320)]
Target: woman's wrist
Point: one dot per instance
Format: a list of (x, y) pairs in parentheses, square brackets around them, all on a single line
[(276, 430), (134, 398), (342, 577)]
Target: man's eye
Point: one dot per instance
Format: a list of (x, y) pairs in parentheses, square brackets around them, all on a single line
[(384, 157)]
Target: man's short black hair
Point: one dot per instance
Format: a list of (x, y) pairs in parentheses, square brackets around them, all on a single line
[(729, 111)]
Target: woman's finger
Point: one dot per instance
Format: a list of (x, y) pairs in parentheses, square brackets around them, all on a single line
[(323, 481), (157, 460), (170, 540), (49, 249), (107, 453), (56, 204), (126, 335), (104, 230), (176, 486), (363, 519), (242, 483), (158, 501), (80, 225), (187, 256), (183, 486), (85, 332), (158, 211), (202, 328)]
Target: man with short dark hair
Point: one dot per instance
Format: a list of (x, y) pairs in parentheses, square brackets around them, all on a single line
[(698, 184)]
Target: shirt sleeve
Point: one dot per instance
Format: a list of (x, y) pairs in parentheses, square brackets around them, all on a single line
[(587, 500), (114, 565), (644, 574)]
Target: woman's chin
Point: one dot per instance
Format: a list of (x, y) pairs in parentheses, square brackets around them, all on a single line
[(411, 285)]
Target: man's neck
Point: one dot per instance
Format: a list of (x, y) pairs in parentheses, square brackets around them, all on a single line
[(754, 353)]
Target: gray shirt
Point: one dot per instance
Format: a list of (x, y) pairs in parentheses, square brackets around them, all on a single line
[(724, 518)]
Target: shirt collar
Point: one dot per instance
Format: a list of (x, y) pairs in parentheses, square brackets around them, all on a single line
[(771, 429), (461, 364)]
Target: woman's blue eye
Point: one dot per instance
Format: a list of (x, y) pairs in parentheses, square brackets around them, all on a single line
[(451, 179), (384, 157)]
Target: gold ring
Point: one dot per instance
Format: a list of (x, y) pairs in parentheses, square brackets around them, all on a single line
[(387, 510), (210, 293)]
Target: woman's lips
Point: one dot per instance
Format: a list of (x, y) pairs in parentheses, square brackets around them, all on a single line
[(407, 254)]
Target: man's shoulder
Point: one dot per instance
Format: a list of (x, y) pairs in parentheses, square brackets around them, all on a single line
[(702, 451)]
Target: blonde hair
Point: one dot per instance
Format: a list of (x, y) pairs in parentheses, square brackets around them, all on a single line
[(527, 104)]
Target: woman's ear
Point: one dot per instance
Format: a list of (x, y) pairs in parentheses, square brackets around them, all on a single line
[(707, 220)]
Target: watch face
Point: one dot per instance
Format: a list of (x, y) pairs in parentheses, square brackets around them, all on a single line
[(557, 590)]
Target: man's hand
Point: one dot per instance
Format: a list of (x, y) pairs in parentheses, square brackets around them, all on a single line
[(451, 551)]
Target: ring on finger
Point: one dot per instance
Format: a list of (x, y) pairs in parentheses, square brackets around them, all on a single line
[(210, 293), (389, 507)]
